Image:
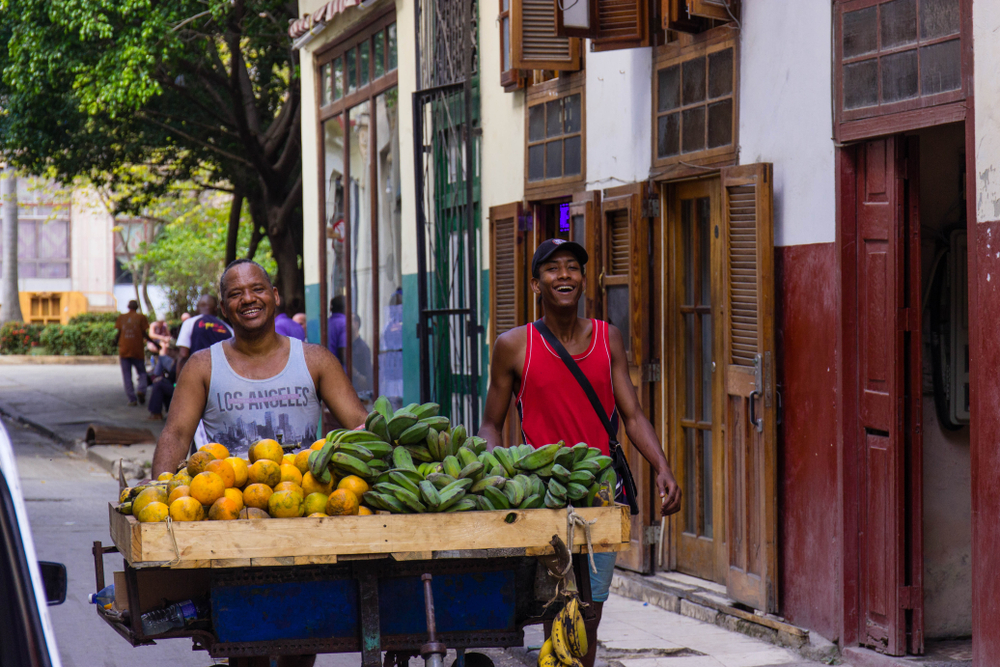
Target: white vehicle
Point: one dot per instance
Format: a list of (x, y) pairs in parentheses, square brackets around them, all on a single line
[(27, 587)]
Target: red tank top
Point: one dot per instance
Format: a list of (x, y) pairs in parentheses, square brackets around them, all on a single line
[(552, 404)]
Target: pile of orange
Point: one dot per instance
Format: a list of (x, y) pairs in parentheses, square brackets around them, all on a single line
[(271, 484)]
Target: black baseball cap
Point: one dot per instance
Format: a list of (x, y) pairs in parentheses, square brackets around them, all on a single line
[(548, 247)]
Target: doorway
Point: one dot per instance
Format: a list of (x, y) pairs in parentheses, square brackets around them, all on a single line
[(906, 382)]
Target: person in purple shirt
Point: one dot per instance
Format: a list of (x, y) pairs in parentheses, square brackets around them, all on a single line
[(286, 326), (336, 329)]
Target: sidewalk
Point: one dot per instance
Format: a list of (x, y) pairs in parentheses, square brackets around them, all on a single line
[(62, 400), (638, 634)]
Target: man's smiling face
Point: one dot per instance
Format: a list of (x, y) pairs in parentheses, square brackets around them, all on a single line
[(249, 299), (560, 279)]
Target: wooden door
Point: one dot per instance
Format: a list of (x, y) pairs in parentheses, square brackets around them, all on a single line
[(750, 410), (694, 292), (626, 275), (888, 392)]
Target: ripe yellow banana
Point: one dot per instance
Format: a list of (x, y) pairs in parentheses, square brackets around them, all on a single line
[(576, 631), (545, 656), (559, 644)]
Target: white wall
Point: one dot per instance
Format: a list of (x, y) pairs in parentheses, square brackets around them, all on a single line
[(619, 107), (786, 113), (92, 249), (986, 46)]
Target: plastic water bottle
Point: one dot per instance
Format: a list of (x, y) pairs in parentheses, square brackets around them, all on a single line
[(175, 616), (104, 597)]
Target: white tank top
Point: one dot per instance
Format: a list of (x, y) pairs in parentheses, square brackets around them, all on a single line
[(240, 411)]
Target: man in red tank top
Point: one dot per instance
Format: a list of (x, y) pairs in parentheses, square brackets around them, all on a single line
[(551, 402)]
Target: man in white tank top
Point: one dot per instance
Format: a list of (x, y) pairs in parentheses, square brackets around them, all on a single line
[(258, 383)]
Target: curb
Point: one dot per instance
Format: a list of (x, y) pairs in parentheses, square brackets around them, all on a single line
[(41, 428), (708, 607), (56, 359)]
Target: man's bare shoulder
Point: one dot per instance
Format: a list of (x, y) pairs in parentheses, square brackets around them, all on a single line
[(200, 362), (512, 340), (317, 356)]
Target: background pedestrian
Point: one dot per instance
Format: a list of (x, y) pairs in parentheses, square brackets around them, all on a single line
[(132, 328)]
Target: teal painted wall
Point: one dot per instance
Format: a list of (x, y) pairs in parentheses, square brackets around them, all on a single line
[(411, 345), (313, 314)]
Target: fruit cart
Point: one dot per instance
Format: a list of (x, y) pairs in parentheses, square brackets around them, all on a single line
[(404, 584)]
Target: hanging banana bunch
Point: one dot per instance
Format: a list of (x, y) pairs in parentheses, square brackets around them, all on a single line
[(568, 641)]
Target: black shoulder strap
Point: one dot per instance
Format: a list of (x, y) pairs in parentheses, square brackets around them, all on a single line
[(571, 364)]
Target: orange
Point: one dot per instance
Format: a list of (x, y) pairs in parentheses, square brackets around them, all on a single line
[(256, 495), (186, 508), (182, 476), (181, 491), (236, 496), (207, 487), (364, 511), (302, 460), (312, 485), (317, 515), (198, 461), (284, 504), (266, 449), (177, 481), (288, 460), (165, 477), (355, 485), (264, 471), (152, 512), (316, 502), (342, 502), (224, 509), (318, 444), (240, 469), (223, 470), (289, 473), (253, 513), (216, 450), (289, 486), (152, 494)]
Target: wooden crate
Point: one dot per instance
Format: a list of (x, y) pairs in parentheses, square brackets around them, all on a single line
[(304, 541)]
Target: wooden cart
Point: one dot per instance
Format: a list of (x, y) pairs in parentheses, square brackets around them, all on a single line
[(350, 584)]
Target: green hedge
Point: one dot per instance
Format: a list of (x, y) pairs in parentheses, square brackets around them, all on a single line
[(93, 318), (94, 338)]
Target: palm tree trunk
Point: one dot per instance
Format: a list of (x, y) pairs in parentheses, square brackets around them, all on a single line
[(10, 303)]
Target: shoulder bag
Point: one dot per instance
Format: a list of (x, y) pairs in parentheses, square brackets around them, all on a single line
[(626, 492)]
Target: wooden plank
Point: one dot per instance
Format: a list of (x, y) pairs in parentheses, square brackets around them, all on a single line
[(412, 555), (315, 560), (242, 543)]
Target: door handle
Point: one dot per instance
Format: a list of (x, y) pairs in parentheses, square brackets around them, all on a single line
[(758, 422)]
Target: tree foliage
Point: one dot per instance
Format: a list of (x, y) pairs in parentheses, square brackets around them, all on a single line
[(188, 255), (202, 91)]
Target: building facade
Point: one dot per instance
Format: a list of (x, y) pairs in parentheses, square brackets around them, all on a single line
[(779, 200)]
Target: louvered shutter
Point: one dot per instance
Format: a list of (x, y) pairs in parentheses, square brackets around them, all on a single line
[(750, 409), (507, 270), (626, 303), (534, 42), (711, 9), (621, 24)]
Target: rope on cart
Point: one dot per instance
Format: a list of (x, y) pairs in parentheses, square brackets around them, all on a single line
[(173, 539), (572, 520)]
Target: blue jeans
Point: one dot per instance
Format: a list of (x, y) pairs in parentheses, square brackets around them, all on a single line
[(159, 396), (600, 583), (139, 364)]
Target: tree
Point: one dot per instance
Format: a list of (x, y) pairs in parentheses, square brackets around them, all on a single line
[(186, 257), (203, 91), (10, 301)]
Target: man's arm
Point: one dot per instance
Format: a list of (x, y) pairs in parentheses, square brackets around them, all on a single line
[(499, 393), (183, 354), (333, 386), (640, 431), (186, 409)]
